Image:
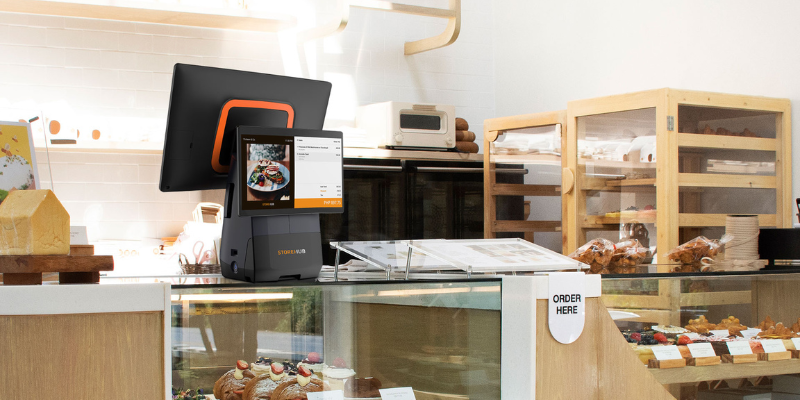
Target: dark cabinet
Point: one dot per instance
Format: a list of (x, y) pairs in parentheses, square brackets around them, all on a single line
[(392, 199)]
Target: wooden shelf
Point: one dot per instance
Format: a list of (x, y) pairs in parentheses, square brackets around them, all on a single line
[(686, 220), (155, 13), (508, 189), (601, 220), (727, 181), (452, 14), (617, 185), (726, 142), (526, 226), (616, 164), (631, 182), (726, 371), (535, 159)]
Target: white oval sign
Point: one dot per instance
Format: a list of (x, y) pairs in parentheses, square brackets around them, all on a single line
[(567, 311)]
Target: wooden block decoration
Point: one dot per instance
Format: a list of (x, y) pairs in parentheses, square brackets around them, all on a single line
[(81, 250), (739, 358), (663, 364), (33, 222), (781, 355), (795, 353), (703, 361)]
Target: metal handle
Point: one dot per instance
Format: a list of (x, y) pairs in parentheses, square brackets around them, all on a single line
[(467, 170), (358, 167)]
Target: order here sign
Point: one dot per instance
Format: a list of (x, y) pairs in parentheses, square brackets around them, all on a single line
[(566, 305)]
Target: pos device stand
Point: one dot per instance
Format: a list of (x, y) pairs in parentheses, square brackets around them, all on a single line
[(266, 248)]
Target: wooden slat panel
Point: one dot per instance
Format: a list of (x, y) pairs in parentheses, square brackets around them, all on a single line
[(507, 189), (526, 226), (727, 180), (80, 356), (726, 142), (701, 220)]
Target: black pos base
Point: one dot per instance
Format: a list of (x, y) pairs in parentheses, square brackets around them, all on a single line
[(267, 248)]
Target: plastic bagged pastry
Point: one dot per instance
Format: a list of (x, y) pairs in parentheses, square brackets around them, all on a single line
[(627, 255), (597, 253), (695, 250)]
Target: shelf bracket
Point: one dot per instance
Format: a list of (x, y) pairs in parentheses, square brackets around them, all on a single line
[(450, 34)]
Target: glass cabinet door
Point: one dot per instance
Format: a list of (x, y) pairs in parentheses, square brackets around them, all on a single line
[(616, 177), (522, 178), (729, 162)]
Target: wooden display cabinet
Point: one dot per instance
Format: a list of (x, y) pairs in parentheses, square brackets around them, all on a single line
[(528, 145), (675, 162)]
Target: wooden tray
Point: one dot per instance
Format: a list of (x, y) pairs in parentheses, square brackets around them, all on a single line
[(702, 361), (781, 355), (663, 364), (739, 359), (80, 266)]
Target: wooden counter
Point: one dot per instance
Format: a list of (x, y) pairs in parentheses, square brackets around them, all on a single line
[(85, 341)]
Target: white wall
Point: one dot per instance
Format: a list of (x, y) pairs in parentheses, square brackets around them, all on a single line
[(550, 52), (117, 75)]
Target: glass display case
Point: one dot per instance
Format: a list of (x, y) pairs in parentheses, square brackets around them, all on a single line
[(458, 339), (441, 339), (665, 166), (734, 303), (527, 147)]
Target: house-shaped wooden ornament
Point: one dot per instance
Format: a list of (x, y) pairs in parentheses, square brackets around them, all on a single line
[(33, 222)]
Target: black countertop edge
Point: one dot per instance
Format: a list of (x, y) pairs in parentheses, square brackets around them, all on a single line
[(313, 282), (769, 270)]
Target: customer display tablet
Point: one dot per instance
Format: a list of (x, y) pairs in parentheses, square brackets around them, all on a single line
[(285, 171)]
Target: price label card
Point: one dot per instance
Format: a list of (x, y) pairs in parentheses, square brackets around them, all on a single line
[(773, 346), (692, 335), (751, 332), (739, 348), (402, 393), (720, 332), (331, 395), (667, 353), (796, 342), (701, 350)]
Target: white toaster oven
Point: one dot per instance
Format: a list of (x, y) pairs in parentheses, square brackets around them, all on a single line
[(398, 125)]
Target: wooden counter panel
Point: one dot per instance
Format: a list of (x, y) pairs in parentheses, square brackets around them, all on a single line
[(599, 365), (82, 356)]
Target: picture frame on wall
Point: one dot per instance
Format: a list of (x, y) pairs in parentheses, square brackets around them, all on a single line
[(17, 158)]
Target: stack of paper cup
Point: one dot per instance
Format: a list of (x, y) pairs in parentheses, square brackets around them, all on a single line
[(744, 229)]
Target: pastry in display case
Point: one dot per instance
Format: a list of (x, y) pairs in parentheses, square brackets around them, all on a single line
[(745, 320)]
